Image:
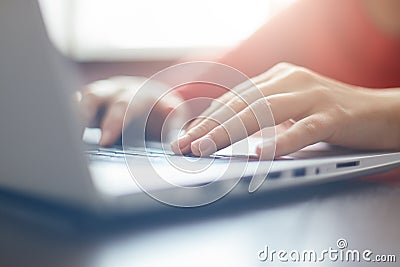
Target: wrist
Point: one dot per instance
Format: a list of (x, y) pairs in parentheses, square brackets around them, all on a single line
[(389, 102)]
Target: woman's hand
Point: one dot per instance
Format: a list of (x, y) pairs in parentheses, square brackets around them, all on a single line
[(110, 98), (306, 106)]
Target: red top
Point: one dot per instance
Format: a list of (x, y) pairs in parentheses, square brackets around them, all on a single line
[(335, 38)]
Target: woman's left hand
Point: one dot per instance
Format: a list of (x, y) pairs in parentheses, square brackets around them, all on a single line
[(309, 107)]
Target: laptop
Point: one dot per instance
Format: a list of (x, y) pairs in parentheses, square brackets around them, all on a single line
[(43, 155)]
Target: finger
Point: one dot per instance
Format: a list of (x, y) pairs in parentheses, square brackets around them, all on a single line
[(281, 78), (119, 113), (291, 80), (182, 145), (220, 102), (112, 123), (238, 127), (310, 130), (95, 96), (166, 118), (237, 90), (288, 79), (284, 126), (237, 104), (169, 102), (122, 111), (252, 119)]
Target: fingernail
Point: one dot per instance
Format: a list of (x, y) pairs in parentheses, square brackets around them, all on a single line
[(174, 147), (204, 147), (185, 150), (105, 138), (180, 143), (180, 151), (266, 150)]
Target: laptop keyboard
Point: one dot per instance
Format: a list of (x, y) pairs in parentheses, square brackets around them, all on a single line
[(117, 152)]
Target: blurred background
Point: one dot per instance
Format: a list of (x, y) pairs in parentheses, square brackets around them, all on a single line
[(136, 37)]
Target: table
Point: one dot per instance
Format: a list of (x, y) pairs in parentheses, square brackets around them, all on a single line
[(365, 214)]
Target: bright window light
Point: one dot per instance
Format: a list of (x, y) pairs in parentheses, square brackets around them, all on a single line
[(152, 29)]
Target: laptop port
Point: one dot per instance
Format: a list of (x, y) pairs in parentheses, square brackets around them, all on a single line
[(347, 164), (299, 172), (274, 175)]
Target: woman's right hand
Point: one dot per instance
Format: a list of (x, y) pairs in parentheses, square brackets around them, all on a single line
[(313, 108)]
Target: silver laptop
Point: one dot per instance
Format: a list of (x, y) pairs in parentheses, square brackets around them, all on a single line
[(42, 153)]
